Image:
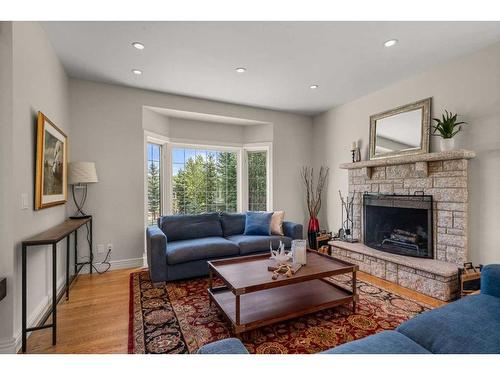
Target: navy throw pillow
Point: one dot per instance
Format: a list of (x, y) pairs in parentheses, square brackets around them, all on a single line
[(258, 223)]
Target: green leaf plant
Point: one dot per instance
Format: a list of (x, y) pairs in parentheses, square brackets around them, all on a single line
[(447, 126)]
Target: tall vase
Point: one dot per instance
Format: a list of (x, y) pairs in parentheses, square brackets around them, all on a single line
[(312, 230)]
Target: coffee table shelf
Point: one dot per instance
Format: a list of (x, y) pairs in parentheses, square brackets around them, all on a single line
[(250, 298), (274, 305)]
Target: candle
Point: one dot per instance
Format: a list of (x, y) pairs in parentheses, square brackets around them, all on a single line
[(354, 145), (299, 252)]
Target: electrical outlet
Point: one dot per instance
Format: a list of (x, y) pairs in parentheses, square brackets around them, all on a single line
[(110, 247), (100, 249)]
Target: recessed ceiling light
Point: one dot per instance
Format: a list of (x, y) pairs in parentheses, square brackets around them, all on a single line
[(390, 42), (137, 72), (241, 70), (314, 87), (138, 45)]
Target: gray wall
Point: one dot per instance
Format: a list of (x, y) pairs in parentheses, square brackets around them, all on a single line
[(107, 128), (38, 83), (469, 86), (205, 132), (6, 160)]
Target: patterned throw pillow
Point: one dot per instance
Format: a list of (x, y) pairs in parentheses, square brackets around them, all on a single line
[(258, 223), (277, 223)]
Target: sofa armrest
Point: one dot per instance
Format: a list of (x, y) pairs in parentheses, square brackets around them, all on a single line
[(156, 243), (226, 346), (293, 230), (490, 280)]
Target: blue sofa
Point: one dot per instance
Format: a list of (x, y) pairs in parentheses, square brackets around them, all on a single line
[(470, 325), (180, 245)]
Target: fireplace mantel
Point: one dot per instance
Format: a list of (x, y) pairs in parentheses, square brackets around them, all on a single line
[(420, 161)]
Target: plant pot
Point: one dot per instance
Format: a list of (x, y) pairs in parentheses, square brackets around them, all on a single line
[(312, 230), (447, 144)]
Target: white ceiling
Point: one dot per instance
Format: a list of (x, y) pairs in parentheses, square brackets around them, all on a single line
[(346, 59)]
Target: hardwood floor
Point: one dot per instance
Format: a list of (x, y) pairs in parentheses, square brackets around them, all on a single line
[(95, 319)]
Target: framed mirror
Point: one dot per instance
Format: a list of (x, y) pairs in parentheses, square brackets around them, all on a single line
[(401, 131)]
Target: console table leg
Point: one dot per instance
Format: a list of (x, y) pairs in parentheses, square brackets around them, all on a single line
[(76, 252), (54, 294), (23, 281), (91, 254), (67, 267)]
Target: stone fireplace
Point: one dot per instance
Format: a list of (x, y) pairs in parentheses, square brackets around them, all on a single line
[(433, 184)]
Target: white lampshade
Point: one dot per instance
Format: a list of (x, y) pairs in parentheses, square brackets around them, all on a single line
[(82, 172)]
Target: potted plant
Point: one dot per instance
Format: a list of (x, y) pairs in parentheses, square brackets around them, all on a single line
[(447, 127), (313, 199)]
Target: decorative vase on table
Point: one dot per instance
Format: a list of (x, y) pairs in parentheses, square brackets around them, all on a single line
[(312, 231)]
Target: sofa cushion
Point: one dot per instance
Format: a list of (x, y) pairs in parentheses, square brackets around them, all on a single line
[(253, 244), (470, 325), (258, 223), (184, 227), (277, 223), (225, 346), (386, 342), (232, 223), (200, 248)]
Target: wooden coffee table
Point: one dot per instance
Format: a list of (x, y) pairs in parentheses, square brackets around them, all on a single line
[(251, 299)]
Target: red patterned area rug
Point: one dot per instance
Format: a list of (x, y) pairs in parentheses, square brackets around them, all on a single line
[(177, 318)]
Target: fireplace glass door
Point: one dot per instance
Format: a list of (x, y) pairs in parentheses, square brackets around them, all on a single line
[(398, 224)]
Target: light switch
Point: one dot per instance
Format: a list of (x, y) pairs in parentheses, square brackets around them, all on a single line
[(24, 201)]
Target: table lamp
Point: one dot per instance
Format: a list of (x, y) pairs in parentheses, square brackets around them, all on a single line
[(80, 174)]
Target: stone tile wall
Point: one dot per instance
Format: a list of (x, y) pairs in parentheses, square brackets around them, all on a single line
[(444, 288), (445, 180)]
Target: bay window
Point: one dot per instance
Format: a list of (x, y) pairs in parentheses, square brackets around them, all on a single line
[(192, 179)]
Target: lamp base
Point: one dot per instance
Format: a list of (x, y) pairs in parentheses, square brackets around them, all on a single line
[(81, 217)]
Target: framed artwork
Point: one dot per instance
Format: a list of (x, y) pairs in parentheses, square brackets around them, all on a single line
[(51, 188)]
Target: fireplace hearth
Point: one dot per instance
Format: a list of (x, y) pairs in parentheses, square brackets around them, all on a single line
[(398, 224)]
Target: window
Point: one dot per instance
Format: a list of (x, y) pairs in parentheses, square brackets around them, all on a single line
[(186, 178), (154, 166), (204, 181), (257, 180)]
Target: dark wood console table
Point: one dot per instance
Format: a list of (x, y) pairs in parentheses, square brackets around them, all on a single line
[(51, 237)]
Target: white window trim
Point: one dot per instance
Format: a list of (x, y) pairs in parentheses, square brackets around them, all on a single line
[(242, 177), (262, 146)]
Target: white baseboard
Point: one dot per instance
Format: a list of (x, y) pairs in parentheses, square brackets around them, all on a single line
[(127, 263), (117, 264), (8, 346)]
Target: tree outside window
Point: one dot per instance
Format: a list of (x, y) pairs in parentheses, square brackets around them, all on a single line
[(154, 182), (257, 180), (203, 181)]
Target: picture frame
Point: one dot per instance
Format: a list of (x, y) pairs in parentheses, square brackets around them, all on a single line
[(51, 187)]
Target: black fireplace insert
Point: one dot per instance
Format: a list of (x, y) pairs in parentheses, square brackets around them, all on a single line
[(399, 224)]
